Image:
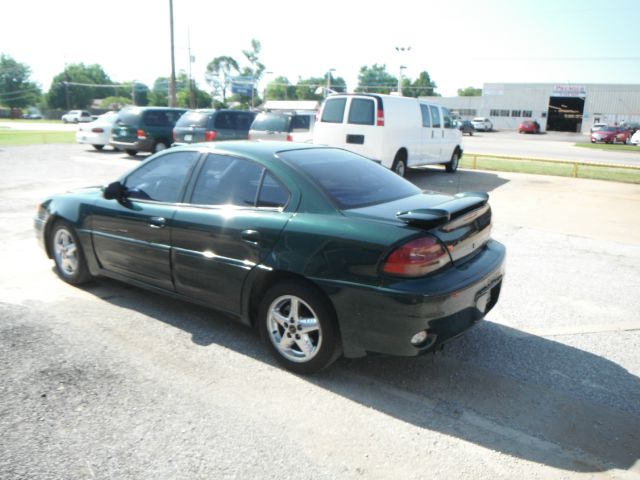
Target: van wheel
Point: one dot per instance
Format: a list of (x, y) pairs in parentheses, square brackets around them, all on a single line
[(400, 164), (452, 166), (159, 146), (131, 153)]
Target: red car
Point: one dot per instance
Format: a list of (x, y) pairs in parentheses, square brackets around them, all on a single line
[(624, 136), (529, 126), (605, 135)]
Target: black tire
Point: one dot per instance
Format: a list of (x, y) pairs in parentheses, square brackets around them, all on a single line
[(400, 164), (471, 134), (314, 311), (452, 166), (71, 264), (160, 146), (98, 147), (131, 153)]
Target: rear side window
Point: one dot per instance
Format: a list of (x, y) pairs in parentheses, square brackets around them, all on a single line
[(435, 116), (226, 180), (349, 180), (272, 193), (361, 111), (129, 117), (270, 122), (333, 111), (243, 120), (426, 118), (225, 121), (156, 118)]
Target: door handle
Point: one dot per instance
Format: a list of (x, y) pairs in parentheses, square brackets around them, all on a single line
[(250, 236), (157, 222)]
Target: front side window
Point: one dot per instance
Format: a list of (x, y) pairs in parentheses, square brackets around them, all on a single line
[(227, 181), (435, 116), (162, 179), (446, 115), (361, 111), (426, 118), (333, 111)]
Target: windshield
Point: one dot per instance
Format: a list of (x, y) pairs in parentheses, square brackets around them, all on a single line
[(349, 180)]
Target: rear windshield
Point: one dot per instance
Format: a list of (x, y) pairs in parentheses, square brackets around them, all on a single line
[(349, 180), (193, 119), (361, 111), (271, 122)]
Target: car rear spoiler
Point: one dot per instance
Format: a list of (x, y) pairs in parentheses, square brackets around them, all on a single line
[(460, 204)]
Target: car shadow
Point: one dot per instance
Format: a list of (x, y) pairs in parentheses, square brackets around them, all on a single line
[(503, 389), (437, 179)]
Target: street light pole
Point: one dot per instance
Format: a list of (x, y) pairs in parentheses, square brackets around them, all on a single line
[(401, 50), (172, 80), (328, 89)]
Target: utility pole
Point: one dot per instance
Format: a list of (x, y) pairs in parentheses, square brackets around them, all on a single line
[(328, 89), (172, 80), (133, 92)]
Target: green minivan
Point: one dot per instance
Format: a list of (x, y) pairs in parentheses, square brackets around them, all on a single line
[(209, 125), (145, 129)]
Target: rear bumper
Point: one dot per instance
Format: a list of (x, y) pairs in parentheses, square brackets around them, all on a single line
[(139, 145), (384, 319)]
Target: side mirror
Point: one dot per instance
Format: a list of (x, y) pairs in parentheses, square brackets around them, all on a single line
[(113, 191)]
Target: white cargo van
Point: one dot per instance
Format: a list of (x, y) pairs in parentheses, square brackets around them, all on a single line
[(398, 132)]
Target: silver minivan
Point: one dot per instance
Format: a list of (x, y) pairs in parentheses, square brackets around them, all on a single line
[(283, 126)]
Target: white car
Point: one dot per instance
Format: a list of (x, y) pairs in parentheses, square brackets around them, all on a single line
[(76, 116), (482, 123), (98, 132), (398, 132), (635, 138)]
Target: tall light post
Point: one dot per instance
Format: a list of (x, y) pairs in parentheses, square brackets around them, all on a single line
[(328, 89), (172, 80), (401, 51)]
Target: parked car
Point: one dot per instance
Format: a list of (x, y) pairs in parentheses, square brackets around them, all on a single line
[(208, 125), (77, 116), (144, 129), (465, 126), (32, 116), (287, 126), (635, 138), (482, 123), (398, 132), (321, 249), (624, 136), (98, 132), (529, 126), (605, 135), (598, 126)]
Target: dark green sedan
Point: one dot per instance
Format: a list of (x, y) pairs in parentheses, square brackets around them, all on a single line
[(323, 251)]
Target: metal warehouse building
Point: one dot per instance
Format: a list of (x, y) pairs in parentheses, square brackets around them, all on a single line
[(557, 107)]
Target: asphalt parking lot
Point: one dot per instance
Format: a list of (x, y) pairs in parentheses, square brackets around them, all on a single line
[(109, 381)]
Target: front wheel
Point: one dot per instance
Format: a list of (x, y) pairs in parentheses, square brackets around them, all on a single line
[(131, 153), (299, 327), (71, 265), (452, 166), (98, 147)]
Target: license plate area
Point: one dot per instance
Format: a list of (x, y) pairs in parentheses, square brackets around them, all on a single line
[(188, 137), (487, 298)]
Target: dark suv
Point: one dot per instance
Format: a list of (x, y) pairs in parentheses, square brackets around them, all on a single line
[(144, 129), (208, 125)]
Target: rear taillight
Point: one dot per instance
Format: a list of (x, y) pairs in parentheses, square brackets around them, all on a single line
[(289, 138), (380, 119), (210, 135), (417, 258), (97, 130), (174, 134), (142, 135)]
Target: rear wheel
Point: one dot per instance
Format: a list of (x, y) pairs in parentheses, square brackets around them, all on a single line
[(98, 147), (452, 166), (159, 146), (131, 153), (70, 262), (400, 164), (299, 327)]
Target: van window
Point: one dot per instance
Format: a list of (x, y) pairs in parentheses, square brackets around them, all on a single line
[(225, 121), (426, 118), (300, 123), (448, 121), (271, 122), (193, 119), (435, 116), (334, 110), (361, 111)]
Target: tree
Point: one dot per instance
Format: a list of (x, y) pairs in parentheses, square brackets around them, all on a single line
[(280, 89), (469, 92), (219, 74), (16, 90), (306, 89), (423, 86), (376, 79), (255, 68), (115, 103), (73, 88)]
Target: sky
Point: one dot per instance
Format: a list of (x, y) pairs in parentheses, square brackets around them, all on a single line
[(459, 43)]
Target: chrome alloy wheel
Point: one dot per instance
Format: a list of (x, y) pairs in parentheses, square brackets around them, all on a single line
[(65, 251), (294, 328)]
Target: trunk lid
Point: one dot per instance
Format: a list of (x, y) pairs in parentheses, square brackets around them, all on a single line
[(462, 222)]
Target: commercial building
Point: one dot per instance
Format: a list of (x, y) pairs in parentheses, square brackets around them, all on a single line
[(564, 107)]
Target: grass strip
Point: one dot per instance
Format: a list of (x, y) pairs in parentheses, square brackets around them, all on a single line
[(616, 147), (35, 137), (626, 175)]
